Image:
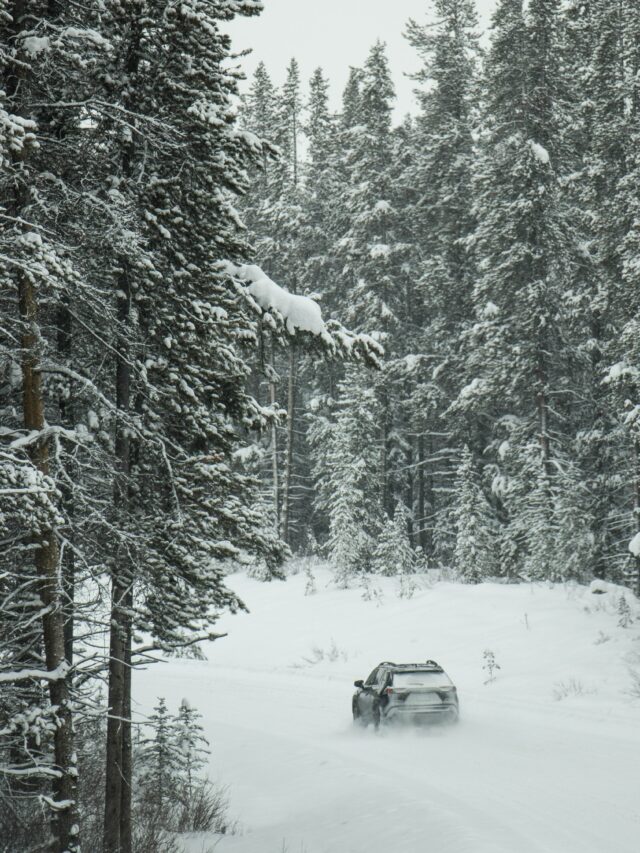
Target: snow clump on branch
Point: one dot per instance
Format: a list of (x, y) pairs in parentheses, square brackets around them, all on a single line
[(298, 312), (303, 314)]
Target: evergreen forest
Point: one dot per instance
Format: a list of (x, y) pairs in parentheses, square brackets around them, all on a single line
[(237, 324)]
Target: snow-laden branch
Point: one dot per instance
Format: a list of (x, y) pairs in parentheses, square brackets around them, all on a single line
[(32, 490), (31, 772), (298, 312), (56, 805), (302, 314), (209, 636), (56, 674), (40, 435)]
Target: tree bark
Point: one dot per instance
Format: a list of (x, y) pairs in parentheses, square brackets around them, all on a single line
[(422, 531), (288, 470), (410, 494), (387, 492), (126, 840), (121, 580), (117, 815), (636, 503), (274, 447), (65, 819), (67, 558)]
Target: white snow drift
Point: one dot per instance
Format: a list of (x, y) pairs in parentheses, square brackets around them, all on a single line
[(544, 760)]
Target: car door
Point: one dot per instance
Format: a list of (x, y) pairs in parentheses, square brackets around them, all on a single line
[(367, 695)]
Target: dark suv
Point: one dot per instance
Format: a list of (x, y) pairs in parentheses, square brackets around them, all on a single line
[(414, 692)]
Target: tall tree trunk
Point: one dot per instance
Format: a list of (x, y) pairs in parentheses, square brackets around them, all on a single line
[(121, 581), (422, 531), (126, 839), (636, 502), (430, 498), (387, 493), (291, 412), (274, 446), (599, 525), (117, 815), (67, 558), (65, 819), (411, 494)]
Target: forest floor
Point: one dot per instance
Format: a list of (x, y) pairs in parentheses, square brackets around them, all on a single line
[(545, 758)]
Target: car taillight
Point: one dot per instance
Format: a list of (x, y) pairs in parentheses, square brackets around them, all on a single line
[(389, 691)]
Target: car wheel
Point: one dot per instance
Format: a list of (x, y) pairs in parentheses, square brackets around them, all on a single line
[(376, 717), (357, 716)]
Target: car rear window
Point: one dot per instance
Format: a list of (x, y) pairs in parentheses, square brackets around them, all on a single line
[(421, 679)]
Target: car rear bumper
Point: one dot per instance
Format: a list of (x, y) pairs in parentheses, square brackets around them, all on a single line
[(419, 713)]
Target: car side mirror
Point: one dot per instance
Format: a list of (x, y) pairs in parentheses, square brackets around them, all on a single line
[(359, 683)]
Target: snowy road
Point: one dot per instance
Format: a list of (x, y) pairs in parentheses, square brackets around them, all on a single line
[(522, 772)]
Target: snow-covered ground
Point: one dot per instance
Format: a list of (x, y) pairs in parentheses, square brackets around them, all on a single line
[(546, 759)]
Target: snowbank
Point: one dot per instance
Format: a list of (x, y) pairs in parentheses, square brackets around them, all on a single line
[(544, 759)]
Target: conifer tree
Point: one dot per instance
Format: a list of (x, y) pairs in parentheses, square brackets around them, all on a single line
[(275, 213), (443, 168), (322, 192), (160, 760), (439, 211), (394, 554), (353, 480), (626, 349), (291, 214), (192, 747), (181, 376), (47, 55), (518, 347), (476, 532), (603, 130), (370, 250)]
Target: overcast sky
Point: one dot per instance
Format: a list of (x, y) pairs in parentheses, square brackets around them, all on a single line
[(336, 34)]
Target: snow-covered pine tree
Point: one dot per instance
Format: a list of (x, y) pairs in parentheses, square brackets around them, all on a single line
[(443, 166), (586, 147), (159, 763), (289, 213), (475, 555), (326, 220), (182, 379), (621, 236), (300, 221), (625, 617), (517, 350), (599, 39), (193, 748), (366, 248), (274, 208), (369, 250), (394, 554), (319, 276), (353, 479), (439, 213), (47, 58), (574, 551), (259, 116)]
